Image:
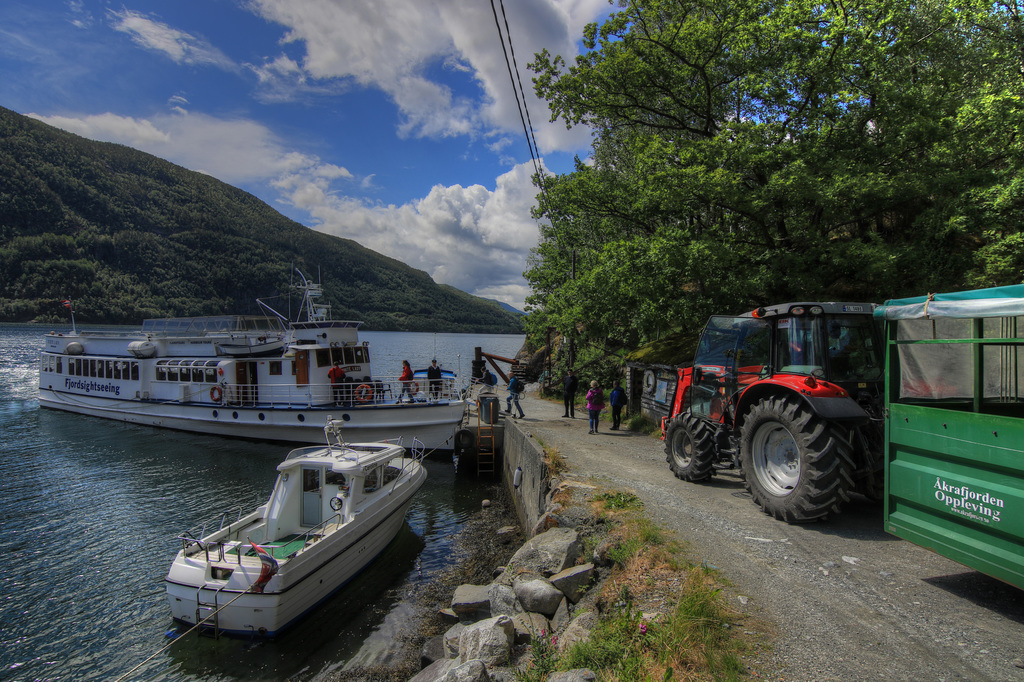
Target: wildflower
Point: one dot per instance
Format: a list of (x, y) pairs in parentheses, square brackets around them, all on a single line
[(643, 628)]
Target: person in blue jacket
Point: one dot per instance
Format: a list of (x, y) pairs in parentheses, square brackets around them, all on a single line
[(515, 388), (618, 401)]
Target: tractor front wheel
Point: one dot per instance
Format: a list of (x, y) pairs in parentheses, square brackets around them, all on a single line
[(689, 449), (796, 465)]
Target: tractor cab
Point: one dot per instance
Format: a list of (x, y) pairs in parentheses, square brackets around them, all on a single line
[(837, 343)]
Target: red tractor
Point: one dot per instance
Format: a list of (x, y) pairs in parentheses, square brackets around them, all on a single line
[(792, 395)]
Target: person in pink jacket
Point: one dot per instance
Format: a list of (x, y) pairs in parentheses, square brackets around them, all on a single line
[(595, 403)]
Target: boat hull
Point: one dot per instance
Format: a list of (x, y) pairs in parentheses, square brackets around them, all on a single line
[(433, 424), (301, 585)]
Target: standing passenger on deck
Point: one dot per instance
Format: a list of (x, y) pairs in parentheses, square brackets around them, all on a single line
[(434, 377), (337, 375), (569, 387), (406, 380)]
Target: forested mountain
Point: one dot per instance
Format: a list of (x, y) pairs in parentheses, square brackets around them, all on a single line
[(128, 236)]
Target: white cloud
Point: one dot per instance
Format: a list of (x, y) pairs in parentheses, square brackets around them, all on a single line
[(178, 46), (472, 238), (393, 45), (233, 150)]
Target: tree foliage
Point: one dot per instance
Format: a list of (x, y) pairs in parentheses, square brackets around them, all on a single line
[(129, 236), (749, 152)]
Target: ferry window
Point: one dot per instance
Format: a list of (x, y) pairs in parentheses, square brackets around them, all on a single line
[(210, 375), (161, 373), (60, 369), (109, 373), (117, 369), (135, 371), (293, 368), (275, 368), (92, 368), (197, 374), (358, 355), (172, 373), (323, 357)]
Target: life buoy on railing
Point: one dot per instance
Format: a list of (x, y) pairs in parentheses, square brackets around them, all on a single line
[(216, 394), (415, 386), (364, 392)]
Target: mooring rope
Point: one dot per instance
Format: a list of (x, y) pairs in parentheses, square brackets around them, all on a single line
[(182, 635)]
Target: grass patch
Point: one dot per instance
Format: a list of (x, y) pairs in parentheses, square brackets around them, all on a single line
[(660, 618), (641, 423)]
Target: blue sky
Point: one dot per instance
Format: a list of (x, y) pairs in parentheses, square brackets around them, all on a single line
[(390, 122)]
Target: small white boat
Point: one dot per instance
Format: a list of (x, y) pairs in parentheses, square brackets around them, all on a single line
[(334, 509)]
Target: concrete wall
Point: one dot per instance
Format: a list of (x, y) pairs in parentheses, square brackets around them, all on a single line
[(520, 449)]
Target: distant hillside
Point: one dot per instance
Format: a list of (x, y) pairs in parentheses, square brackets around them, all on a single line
[(128, 236), (506, 306)]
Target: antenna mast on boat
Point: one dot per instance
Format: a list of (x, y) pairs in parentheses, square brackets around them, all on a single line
[(315, 312)]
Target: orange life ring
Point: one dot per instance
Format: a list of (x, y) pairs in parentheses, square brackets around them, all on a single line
[(364, 392), (216, 394), (415, 387)]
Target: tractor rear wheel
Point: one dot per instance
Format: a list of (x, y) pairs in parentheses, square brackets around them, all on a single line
[(689, 449), (796, 465)]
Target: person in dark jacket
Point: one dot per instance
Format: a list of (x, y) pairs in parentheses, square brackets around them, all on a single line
[(618, 401), (570, 384), (434, 377)]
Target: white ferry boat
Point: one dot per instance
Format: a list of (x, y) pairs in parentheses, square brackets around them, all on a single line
[(333, 510), (245, 376)]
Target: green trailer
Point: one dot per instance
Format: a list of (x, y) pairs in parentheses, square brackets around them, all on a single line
[(954, 424)]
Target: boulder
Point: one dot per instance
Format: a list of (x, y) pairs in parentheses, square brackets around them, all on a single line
[(489, 640), (561, 616), (577, 631), (503, 600), (453, 671), (539, 596), (573, 581), (471, 602), (451, 640), (433, 650), (547, 553), (529, 626)]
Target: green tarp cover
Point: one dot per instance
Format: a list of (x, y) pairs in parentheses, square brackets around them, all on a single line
[(1005, 301)]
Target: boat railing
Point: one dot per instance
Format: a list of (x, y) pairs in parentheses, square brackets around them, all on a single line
[(374, 392), (191, 539)]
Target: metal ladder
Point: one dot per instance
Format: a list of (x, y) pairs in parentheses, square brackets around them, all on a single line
[(485, 450), (210, 608)]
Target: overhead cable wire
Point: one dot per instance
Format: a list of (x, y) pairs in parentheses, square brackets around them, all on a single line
[(515, 66), (519, 102)]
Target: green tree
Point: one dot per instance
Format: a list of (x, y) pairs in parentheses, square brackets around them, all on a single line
[(750, 152)]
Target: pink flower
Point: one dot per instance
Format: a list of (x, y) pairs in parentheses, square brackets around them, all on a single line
[(643, 628)]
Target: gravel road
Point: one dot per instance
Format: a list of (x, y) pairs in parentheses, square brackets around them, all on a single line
[(846, 600)]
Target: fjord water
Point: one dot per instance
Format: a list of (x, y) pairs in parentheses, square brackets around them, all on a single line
[(89, 510)]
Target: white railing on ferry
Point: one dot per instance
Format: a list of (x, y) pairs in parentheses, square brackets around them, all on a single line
[(381, 391)]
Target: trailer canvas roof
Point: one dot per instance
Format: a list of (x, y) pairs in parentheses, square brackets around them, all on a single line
[(1005, 301)]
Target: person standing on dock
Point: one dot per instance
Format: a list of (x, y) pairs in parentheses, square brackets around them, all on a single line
[(515, 388), (570, 384), (595, 403), (618, 401)]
